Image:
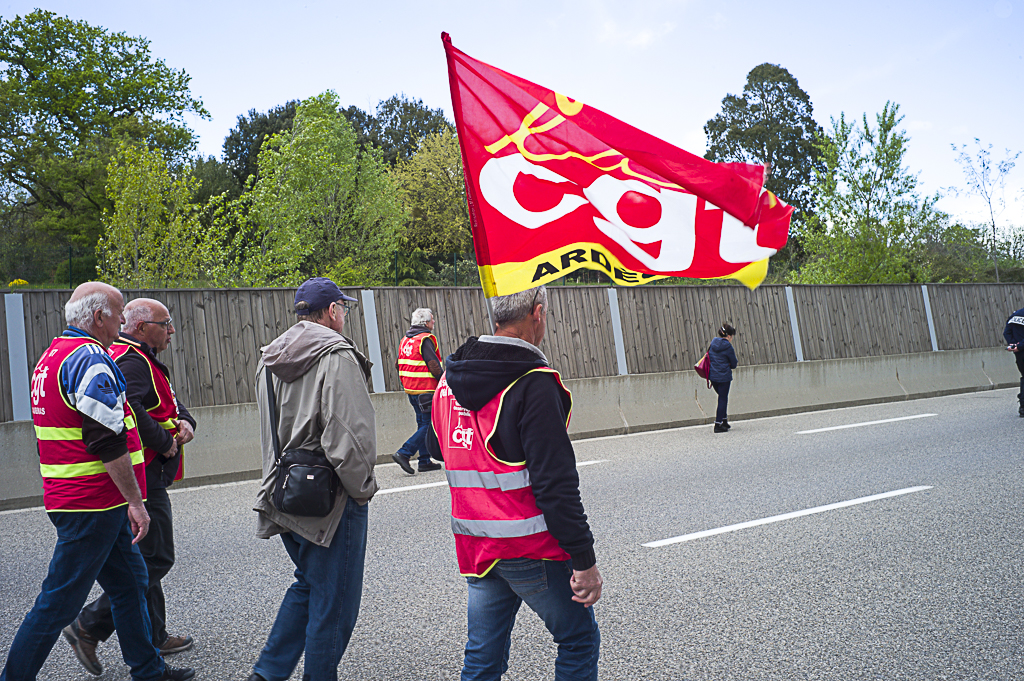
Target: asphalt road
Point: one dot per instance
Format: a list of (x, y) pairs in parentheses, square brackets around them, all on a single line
[(923, 585)]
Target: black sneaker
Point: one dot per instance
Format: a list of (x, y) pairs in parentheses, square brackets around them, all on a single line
[(403, 462), (176, 674), (721, 428), (1020, 412), (429, 466)]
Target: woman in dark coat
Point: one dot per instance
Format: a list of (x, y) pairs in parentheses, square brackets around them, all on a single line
[(723, 361)]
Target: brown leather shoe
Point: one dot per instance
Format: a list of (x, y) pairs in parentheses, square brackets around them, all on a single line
[(176, 644), (84, 647)]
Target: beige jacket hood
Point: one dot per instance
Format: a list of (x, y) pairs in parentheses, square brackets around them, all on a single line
[(320, 382)]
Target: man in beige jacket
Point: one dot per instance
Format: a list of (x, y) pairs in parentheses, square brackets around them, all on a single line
[(320, 389)]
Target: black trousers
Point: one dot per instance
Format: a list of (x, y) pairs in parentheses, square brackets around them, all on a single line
[(157, 549), (723, 400), (1019, 356)]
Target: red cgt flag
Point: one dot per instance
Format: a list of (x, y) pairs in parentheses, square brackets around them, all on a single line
[(554, 185)]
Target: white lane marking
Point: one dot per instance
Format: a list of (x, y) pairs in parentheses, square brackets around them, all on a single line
[(21, 510), (256, 481), (391, 490), (443, 483), (251, 481), (865, 423), (784, 516)]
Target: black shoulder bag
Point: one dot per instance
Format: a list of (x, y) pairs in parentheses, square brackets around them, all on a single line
[(306, 484)]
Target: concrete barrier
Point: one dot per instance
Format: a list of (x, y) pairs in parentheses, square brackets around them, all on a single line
[(226, 447)]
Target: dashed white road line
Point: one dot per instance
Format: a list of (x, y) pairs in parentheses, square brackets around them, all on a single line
[(784, 516), (256, 482), (865, 423)]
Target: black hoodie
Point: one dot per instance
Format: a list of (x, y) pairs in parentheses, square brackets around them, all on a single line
[(531, 428)]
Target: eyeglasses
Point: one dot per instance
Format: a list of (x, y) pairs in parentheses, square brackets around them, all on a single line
[(165, 324), (534, 303), (345, 305)]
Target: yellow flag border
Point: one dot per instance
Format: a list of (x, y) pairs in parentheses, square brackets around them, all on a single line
[(547, 267)]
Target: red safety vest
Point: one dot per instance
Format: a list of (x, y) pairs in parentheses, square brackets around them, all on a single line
[(494, 512), (412, 368), (73, 479), (166, 410)]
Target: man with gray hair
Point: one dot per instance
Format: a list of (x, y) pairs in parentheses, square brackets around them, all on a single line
[(419, 368), (94, 484), (165, 426), (499, 416)]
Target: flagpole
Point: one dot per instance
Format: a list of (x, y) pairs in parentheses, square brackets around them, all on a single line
[(490, 314)]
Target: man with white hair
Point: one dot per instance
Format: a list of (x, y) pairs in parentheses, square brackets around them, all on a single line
[(500, 416), (164, 426), (419, 368), (93, 489)]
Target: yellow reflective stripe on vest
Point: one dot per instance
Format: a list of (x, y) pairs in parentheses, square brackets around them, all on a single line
[(416, 374), (50, 433), (499, 529), (167, 425), (415, 362), (77, 470)]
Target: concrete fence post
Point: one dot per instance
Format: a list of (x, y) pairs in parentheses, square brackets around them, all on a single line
[(931, 320), (17, 355), (620, 347), (791, 303), (373, 341)]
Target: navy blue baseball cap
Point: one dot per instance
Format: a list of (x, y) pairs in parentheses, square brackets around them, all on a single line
[(316, 294)]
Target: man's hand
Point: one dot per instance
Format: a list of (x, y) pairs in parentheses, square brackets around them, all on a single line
[(185, 432), (169, 454), (139, 519), (586, 585)]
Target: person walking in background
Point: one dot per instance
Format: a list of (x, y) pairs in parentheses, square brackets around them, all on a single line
[(723, 361), (419, 368), (499, 418), (1014, 335), (164, 426), (94, 484), (322, 404)]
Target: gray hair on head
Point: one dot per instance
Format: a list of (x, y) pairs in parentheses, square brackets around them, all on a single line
[(421, 315), (517, 306), (80, 312), (133, 315)]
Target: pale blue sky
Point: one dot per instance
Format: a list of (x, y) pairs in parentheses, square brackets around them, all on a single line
[(955, 68)]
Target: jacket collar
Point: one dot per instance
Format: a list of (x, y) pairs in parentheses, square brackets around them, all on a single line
[(127, 339)]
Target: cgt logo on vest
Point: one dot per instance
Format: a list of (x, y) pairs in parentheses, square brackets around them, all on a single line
[(462, 435)]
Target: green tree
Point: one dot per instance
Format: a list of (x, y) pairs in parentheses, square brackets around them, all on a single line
[(771, 122), (987, 180), (435, 196), (215, 178), (70, 93), (871, 223), (244, 141), (153, 236), (316, 202), (400, 123)]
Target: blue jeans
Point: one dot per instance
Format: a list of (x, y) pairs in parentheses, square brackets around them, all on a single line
[(418, 441), (723, 400), (494, 601), (319, 610), (91, 547)]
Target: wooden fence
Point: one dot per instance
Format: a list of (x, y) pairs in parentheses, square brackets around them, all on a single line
[(215, 349)]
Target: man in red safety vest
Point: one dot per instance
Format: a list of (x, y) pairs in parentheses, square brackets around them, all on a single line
[(499, 416), (94, 486), (164, 425), (419, 368)]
